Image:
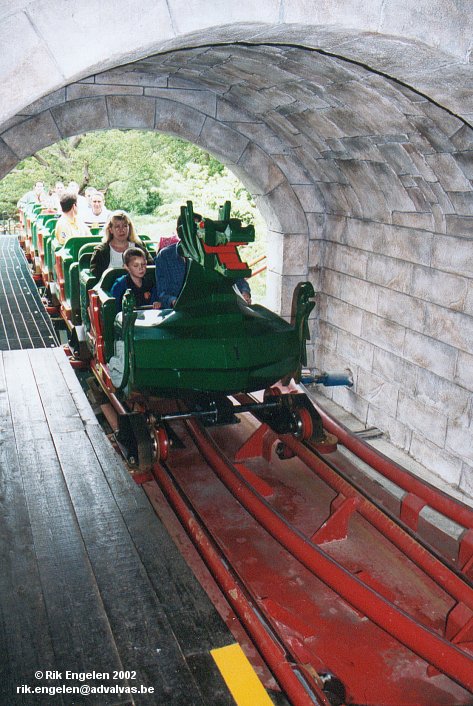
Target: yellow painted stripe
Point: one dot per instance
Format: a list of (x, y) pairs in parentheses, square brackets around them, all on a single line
[(240, 677)]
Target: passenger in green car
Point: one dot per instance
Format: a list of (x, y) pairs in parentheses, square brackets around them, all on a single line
[(171, 268), (119, 235), (134, 263)]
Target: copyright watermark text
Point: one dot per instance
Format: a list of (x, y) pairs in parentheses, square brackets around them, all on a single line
[(84, 688)]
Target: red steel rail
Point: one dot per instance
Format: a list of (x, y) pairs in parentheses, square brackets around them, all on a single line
[(435, 498), (301, 689), (433, 567), (399, 531), (433, 648)]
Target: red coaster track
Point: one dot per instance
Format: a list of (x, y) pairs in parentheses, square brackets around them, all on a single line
[(324, 582)]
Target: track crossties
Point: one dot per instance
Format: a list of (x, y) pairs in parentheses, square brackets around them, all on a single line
[(23, 320)]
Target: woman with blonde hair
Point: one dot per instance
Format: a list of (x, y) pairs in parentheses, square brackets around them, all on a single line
[(119, 235)]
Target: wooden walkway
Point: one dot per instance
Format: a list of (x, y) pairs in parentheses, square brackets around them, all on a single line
[(90, 581)]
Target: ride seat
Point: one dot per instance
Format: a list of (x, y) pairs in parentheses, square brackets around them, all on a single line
[(67, 270), (148, 243), (108, 305), (109, 276), (84, 256)]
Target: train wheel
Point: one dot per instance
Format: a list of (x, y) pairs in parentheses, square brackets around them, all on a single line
[(305, 427), (78, 364), (161, 440), (284, 452), (271, 392)]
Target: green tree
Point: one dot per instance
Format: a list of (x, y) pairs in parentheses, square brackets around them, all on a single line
[(146, 173)]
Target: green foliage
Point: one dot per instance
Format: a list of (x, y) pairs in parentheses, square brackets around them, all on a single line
[(148, 174), (16, 184), (129, 166)]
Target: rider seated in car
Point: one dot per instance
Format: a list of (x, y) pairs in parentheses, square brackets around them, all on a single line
[(134, 262)]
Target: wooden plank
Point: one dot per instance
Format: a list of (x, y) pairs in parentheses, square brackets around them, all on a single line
[(194, 620), (26, 406), (166, 567), (78, 623), (24, 318), (25, 642), (112, 579), (142, 632), (73, 384), (77, 626), (5, 417), (59, 407)]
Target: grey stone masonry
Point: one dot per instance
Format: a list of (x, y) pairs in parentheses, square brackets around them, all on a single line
[(352, 131)]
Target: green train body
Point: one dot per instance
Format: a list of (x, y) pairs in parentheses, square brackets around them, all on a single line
[(227, 347), (212, 340)]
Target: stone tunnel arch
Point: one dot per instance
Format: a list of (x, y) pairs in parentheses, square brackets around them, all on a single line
[(275, 196), (366, 187)]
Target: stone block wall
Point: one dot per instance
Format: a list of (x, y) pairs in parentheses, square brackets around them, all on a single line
[(400, 318), (366, 188)]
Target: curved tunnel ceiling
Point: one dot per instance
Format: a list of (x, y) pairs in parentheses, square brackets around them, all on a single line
[(308, 134), (311, 136), (301, 107), (366, 187), (426, 44)]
